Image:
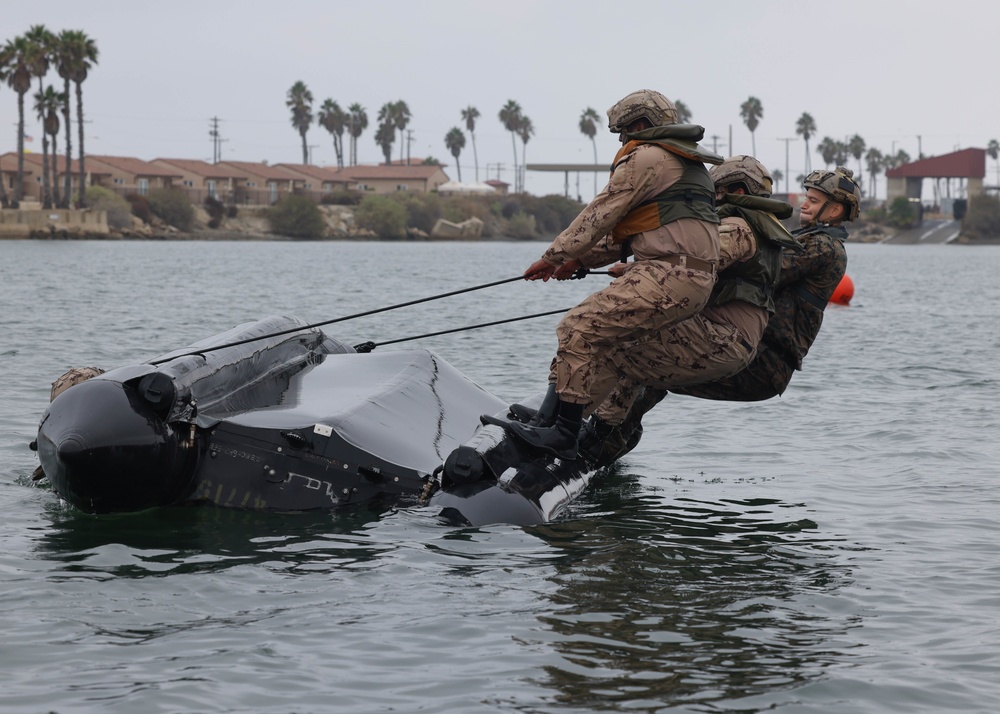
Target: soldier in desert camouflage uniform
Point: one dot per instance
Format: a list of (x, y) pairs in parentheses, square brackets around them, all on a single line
[(721, 339), (659, 205), (808, 278)]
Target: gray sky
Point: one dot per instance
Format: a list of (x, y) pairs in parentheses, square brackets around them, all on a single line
[(889, 71)]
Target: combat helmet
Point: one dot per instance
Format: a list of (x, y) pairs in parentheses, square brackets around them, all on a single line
[(839, 185), (746, 170), (643, 104)]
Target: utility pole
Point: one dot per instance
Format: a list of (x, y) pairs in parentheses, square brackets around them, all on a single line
[(715, 143), (787, 177), (216, 140), (409, 140), (311, 147), (920, 147)]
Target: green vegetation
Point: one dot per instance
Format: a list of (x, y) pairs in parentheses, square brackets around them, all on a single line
[(901, 213), (296, 217), (382, 215), (172, 207), (118, 209), (982, 221), (522, 217)]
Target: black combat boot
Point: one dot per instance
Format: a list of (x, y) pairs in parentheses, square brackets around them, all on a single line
[(559, 439), (545, 415), (592, 440)]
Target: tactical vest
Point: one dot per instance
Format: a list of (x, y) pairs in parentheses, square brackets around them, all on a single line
[(753, 280), (692, 196)]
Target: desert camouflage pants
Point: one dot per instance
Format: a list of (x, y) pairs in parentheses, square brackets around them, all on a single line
[(694, 351), (649, 297)]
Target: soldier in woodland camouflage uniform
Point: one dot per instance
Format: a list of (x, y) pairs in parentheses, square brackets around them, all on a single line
[(659, 205), (806, 282)]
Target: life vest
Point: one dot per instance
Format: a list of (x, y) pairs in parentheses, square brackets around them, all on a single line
[(692, 196), (753, 280)]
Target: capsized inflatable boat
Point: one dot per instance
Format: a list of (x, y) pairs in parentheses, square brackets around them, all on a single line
[(276, 415)]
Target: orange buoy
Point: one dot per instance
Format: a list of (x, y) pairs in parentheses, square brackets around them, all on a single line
[(844, 292)]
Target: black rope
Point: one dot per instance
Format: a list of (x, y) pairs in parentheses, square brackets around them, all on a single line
[(581, 273), (369, 346)]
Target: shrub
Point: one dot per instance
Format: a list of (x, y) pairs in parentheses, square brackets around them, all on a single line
[(216, 211), (172, 207), (232, 211), (382, 216), (982, 220), (901, 213), (342, 197), (118, 209), (140, 207), (422, 209), (521, 226), (297, 217)]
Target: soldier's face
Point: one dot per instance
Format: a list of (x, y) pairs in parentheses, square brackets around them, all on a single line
[(813, 205)]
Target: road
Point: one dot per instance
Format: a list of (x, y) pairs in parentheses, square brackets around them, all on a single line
[(928, 232)]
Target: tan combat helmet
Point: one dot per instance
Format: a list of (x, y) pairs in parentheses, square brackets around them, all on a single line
[(839, 185), (644, 104), (745, 170)]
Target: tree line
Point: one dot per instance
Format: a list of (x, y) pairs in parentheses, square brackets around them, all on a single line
[(71, 53)]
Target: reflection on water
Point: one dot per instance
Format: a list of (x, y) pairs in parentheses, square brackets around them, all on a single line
[(665, 602), (196, 539)]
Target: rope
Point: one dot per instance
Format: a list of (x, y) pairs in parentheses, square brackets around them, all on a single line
[(581, 273), (369, 346)]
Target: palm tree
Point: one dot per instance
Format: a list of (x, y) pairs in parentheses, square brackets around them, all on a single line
[(55, 103), (752, 111), (806, 128), (525, 130), (400, 118), (357, 120), (873, 159), (332, 118), (384, 137), (993, 149), (683, 113), (61, 58), (79, 54), (510, 117), (300, 101), (470, 114), (40, 42), (455, 141), (778, 175), (588, 125), (828, 150), (15, 57), (856, 148), (47, 105)]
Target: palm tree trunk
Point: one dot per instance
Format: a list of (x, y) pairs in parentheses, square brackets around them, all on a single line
[(305, 148), (475, 155), (55, 175), (19, 188), (46, 191), (68, 180), (82, 188), (753, 142), (513, 145)]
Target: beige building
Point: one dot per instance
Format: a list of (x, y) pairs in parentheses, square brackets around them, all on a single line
[(390, 179), (239, 182)]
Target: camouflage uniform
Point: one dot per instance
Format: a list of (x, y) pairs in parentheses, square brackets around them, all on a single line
[(717, 342), (658, 290), (804, 287)]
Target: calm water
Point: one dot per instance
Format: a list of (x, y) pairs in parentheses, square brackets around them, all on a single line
[(834, 550)]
